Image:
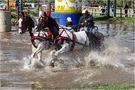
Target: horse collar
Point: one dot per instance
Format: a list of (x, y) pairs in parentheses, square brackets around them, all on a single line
[(46, 19)]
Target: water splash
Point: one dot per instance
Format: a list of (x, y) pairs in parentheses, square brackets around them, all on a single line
[(116, 53)]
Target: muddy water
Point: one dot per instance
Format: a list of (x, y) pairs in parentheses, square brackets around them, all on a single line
[(115, 64)]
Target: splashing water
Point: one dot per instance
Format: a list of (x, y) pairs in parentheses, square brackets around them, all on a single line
[(116, 53)]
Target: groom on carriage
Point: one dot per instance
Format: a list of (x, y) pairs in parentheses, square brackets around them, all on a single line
[(86, 22)]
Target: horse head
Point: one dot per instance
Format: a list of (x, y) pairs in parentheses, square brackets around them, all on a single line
[(26, 23), (51, 24)]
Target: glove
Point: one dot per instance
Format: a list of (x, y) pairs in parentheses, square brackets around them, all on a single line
[(82, 24)]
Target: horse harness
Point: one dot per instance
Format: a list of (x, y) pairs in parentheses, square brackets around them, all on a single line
[(61, 38), (42, 38)]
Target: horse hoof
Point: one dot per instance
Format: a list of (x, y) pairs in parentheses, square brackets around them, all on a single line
[(19, 31), (51, 64)]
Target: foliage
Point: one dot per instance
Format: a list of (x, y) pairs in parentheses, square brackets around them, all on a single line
[(14, 18), (120, 20), (120, 3), (122, 86), (14, 22)]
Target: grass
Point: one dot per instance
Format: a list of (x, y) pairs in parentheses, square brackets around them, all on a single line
[(120, 20), (122, 86)]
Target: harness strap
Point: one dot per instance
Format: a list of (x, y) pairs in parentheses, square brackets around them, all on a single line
[(38, 37), (59, 37), (62, 37), (73, 40)]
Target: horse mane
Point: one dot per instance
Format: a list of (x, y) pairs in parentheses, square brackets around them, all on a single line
[(34, 20), (51, 24), (29, 21)]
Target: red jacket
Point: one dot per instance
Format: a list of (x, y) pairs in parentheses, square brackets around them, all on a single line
[(48, 12)]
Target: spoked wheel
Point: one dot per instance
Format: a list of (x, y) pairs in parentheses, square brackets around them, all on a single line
[(95, 29), (92, 29)]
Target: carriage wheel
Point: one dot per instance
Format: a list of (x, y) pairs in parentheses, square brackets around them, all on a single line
[(95, 29)]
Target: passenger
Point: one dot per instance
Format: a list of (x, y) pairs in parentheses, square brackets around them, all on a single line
[(48, 12), (69, 22), (86, 20)]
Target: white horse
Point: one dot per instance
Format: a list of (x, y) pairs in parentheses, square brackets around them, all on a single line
[(42, 38), (68, 39)]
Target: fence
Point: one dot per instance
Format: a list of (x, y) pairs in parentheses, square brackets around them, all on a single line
[(96, 11)]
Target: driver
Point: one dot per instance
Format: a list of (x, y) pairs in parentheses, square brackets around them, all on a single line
[(86, 20)]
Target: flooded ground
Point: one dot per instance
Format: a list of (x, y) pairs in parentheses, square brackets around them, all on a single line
[(115, 64)]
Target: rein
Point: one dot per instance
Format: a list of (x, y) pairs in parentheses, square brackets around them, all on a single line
[(68, 38), (40, 37), (65, 38), (45, 37), (74, 41)]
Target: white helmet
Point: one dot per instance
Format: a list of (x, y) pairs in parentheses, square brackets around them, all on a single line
[(69, 19)]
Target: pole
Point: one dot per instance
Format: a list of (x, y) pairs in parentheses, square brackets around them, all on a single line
[(108, 8), (38, 6), (121, 8), (17, 8), (114, 11), (8, 4), (21, 6)]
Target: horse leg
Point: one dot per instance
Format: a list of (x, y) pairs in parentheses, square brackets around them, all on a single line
[(65, 47), (38, 50), (54, 54), (40, 57), (30, 31), (19, 31)]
